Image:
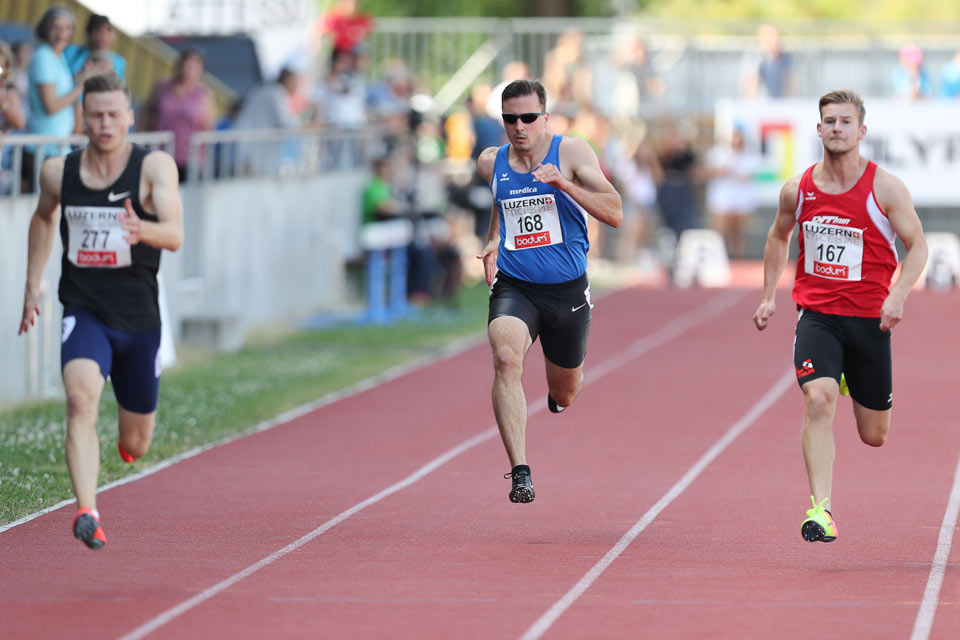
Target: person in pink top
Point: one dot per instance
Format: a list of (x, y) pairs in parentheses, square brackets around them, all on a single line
[(182, 104)]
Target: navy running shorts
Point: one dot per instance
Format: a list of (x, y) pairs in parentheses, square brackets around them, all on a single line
[(130, 359), (828, 345), (558, 313)]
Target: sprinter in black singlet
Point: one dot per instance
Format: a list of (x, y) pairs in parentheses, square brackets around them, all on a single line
[(121, 207)]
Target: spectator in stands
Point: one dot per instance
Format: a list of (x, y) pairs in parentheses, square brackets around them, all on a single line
[(379, 202), (767, 74), (636, 178), (346, 25), (53, 91), (675, 194), (613, 83), (560, 67), (22, 53), (652, 87), (11, 114), (100, 37), (11, 106), (909, 77), (182, 104), (391, 95), (269, 106), (385, 197), (950, 78), (340, 101), (731, 197)]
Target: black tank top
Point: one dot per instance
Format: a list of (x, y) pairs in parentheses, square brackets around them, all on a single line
[(101, 272)]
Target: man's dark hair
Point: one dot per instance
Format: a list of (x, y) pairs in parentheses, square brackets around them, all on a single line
[(520, 88), (96, 21), (285, 74), (105, 82)]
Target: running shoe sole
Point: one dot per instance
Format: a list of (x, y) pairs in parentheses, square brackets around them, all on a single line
[(522, 494), (813, 532), (85, 530)]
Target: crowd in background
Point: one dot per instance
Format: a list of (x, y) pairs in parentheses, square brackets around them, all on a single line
[(671, 174)]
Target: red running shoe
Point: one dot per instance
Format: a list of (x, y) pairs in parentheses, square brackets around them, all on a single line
[(126, 457), (87, 529)]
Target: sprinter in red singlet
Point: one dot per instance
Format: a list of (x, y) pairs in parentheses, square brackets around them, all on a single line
[(850, 213)]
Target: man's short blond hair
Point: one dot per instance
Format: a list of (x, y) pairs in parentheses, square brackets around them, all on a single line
[(844, 96)]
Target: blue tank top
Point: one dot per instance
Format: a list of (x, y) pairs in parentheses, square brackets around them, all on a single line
[(543, 231)]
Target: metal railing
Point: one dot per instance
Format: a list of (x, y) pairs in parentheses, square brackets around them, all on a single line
[(698, 61), (34, 149), (279, 153)]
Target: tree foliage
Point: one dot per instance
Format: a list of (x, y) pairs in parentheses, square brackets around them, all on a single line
[(485, 8), (872, 11)]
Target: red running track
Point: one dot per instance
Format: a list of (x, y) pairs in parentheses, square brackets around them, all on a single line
[(669, 502)]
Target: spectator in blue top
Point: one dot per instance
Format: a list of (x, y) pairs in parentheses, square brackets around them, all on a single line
[(909, 78), (100, 37), (53, 94), (950, 78)]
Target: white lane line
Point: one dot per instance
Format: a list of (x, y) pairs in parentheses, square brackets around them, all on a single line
[(678, 326), (560, 606), (931, 595), (444, 353)]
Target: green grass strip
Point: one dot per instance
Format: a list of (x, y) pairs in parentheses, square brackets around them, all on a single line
[(211, 397)]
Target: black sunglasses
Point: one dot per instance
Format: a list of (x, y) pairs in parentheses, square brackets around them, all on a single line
[(527, 118)]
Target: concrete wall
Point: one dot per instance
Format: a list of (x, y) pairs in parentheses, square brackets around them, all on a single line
[(256, 251)]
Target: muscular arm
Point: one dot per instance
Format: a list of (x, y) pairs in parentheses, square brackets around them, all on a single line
[(894, 198), (492, 248), (43, 228), (589, 188), (163, 200), (777, 251)]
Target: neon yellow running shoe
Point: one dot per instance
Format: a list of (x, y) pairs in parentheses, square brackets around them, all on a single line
[(844, 389), (819, 525)]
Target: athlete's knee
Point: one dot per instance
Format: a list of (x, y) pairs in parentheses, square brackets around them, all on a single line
[(820, 402), (507, 361), (136, 444), (81, 403), (875, 434)]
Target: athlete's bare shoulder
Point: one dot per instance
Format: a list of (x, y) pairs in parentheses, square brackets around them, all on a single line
[(51, 175), (485, 162), (789, 192), (158, 161), (889, 189)]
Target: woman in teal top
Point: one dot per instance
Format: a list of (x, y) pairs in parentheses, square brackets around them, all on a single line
[(53, 94)]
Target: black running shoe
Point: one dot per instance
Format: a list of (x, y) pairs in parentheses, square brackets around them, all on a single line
[(552, 405), (522, 490)]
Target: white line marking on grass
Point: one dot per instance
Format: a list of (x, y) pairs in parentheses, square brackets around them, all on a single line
[(444, 353), (560, 606), (931, 595), (638, 348)]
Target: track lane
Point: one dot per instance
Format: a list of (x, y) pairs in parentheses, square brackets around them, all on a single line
[(269, 489)]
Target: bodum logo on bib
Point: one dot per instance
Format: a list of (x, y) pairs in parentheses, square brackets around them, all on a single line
[(532, 240), (840, 271)]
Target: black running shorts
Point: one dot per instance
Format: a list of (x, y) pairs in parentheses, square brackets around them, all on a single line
[(828, 345), (558, 313)]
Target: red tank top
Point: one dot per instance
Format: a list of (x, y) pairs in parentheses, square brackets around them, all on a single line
[(847, 249)]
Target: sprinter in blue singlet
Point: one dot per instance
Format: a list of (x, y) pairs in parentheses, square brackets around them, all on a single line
[(544, 187)]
